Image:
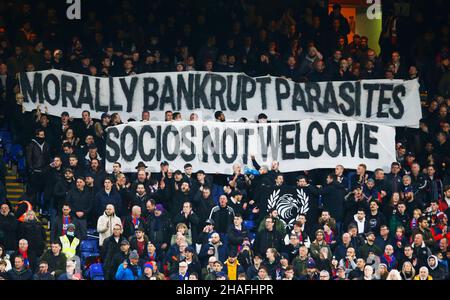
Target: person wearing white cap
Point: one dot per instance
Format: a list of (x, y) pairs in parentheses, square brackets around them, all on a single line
[(182, 273)]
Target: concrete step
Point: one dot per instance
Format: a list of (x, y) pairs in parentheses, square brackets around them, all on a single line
[(16, 190)]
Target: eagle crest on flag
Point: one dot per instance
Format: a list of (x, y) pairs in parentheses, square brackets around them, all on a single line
[(289, 205)]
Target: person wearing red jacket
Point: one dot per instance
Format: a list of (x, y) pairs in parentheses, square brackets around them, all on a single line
[(440, 229), (445, 202)]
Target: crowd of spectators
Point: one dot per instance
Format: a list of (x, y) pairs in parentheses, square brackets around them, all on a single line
[(185, 224)]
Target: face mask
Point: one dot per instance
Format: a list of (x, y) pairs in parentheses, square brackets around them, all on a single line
[(40, 140), (70, 233)]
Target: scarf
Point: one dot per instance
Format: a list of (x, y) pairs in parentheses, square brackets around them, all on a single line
[(134, 270), (408, 275), (300, 236), (413, 224), (26, 261), (157, 224), (135, 222), (389, 260), (238, 232), (380, 199), (66, 221), (151, 257), (329, 237)]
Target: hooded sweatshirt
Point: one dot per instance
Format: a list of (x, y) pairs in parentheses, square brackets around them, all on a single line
[(435, 271)]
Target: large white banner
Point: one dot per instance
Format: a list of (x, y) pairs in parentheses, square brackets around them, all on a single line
[(216, 146), (388, 102)]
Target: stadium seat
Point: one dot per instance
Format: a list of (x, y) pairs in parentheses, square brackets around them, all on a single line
[(17, 152), (92, 234), (89, 246), (95, 272), (92, 231), (89, 258)]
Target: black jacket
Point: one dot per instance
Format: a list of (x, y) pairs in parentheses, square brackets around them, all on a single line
[(422, 253), (202, 206), (134, 246), (438, 273), (117, 260), (25, 274), (394, 182), (236, 237), (382, 185), (129, 227), (267, 239), (126, 196), (140, 201), (38, 155), (177, 200), (419, 184), (192, 222), (376, 221), (52, 177), (102, 199), (8, 231), (57, 227), (43, 276), (35, 234), (312, 195), (271, 267), (108, 252), (32, 258), (61, 191), (81, 201), (223, 218), (356, 273), (333, 200), (158, 229), (55, 263)]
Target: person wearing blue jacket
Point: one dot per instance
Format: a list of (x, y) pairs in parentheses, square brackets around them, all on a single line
[(129, 269), (108, 196), (214, 248)]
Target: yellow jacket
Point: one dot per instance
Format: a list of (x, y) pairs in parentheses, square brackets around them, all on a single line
[(417, 277)]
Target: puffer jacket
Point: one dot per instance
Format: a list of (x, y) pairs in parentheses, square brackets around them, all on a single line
[(127, 273), (38, 155), (105, 225), (158, 229)]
